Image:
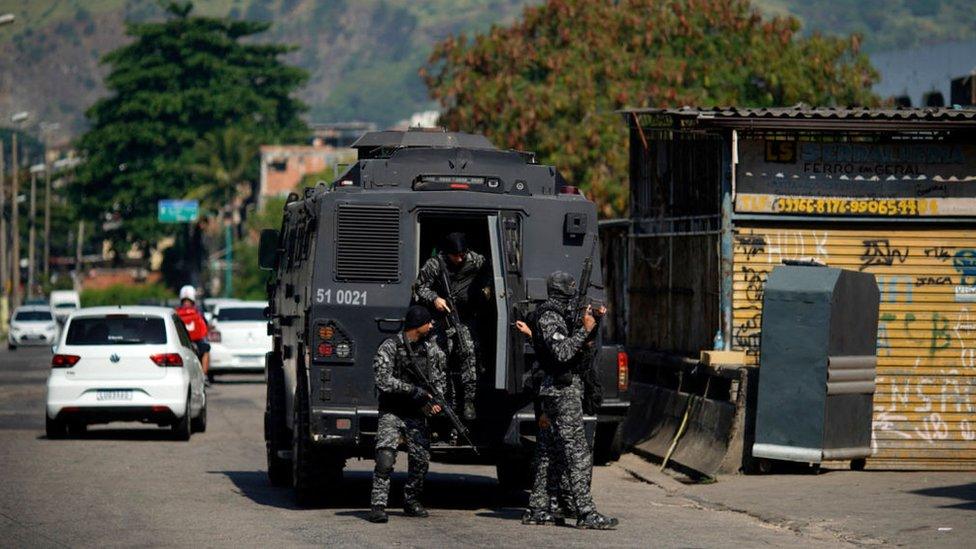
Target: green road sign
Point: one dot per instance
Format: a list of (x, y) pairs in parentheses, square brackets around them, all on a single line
[(178, 211)]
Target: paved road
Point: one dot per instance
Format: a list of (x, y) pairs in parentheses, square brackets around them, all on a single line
[(122, 485)]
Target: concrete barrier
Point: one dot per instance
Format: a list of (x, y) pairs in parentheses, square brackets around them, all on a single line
[(716, 400)]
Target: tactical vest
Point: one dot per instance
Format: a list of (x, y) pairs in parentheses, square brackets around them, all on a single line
[(560, 371), (461, 282), (405, 405)]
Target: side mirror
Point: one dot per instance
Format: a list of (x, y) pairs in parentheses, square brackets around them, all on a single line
[(268, 249)]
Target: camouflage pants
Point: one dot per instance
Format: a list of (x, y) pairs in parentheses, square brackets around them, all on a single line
[(550, 487), (390, 430), (464, 361), (570, 451)]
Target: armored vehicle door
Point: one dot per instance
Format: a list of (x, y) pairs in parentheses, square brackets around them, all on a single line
[(506, 250)]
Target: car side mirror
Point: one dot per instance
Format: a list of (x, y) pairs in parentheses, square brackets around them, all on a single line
[(268, 249)]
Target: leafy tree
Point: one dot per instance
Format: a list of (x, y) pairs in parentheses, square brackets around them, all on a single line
[(226, 162), (249, 280), (552, 81), (177, 82)]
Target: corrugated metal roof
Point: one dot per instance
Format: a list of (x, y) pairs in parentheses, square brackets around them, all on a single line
[(422, 138), (802, 115)]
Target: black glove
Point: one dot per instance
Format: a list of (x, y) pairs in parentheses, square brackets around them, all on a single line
[(419, 395)]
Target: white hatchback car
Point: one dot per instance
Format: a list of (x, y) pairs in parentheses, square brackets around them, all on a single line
[(239, 337), (32, 325), (125, 364)]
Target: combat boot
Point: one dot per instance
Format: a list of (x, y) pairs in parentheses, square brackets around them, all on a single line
[(414, 509), (596, 521), (377, 514), (564, 514), (538, 517)]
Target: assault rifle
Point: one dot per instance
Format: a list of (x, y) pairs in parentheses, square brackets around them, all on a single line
[(592, 390), (453, 318), (580, 301), (436, 396)]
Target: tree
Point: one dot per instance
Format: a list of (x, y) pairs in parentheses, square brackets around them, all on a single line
[(225, 162), (552, 81), (177, 82), (249, 280)]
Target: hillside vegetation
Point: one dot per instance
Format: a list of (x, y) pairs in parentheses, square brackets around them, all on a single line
[(362, 55)]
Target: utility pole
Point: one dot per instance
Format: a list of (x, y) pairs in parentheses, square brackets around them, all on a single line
[(228, 256), (15, 230), (31, 233), (78, 251), (3, 244), (47, 223)]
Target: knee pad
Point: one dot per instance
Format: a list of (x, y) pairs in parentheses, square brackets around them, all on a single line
[(385, 458)]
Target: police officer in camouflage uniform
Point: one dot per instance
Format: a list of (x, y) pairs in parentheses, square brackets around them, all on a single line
[(403, 410), (548, 503), (466, 271), (561, 351)]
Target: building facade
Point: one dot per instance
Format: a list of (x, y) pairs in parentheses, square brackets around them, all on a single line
[(720, 197)]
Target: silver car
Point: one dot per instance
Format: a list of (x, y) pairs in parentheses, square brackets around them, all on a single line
[(32, 325)]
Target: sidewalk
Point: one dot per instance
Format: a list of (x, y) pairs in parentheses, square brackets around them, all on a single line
[(919, 509)]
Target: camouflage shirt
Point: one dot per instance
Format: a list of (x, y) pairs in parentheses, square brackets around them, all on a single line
[(561, 345), (471, 276), (561, 350), (394, 380)]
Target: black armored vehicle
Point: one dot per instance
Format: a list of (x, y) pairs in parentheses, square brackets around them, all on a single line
[(344, 264)]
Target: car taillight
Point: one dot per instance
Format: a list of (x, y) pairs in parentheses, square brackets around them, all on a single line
[(168, 359), (325, 349), (64, 361), (213, 336), (623, 371)]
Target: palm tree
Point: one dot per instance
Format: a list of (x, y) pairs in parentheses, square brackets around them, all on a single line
[(224, 161)]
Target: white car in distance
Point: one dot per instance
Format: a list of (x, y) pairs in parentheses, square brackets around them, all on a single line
[(63, 302), (239, 337), (125, 364), (32, 325)]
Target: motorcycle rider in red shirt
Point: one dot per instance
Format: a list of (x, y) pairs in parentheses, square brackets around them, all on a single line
[(195, 324)]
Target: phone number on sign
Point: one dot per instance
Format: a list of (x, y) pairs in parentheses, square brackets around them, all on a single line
[(853, 206)]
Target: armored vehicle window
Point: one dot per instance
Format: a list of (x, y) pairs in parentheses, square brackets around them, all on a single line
[(367, 243)]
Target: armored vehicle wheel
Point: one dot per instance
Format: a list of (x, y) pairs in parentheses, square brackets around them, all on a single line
[(277, 437), (514, 473), (314, 474), (609, 442)]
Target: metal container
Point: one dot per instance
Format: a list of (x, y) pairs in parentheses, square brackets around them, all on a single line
[(817, 365)]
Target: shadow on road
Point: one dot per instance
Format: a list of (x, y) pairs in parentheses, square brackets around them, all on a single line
[(441, 491), (964, 492)]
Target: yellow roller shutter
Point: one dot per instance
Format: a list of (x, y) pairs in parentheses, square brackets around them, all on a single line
[(925, 404)]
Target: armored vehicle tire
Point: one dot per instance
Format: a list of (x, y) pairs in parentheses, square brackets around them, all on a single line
[(609, 442), (314, 473), (277, 437), (514, 474)]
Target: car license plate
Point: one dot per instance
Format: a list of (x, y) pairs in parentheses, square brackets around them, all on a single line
[(251, 359), (113, 395)]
